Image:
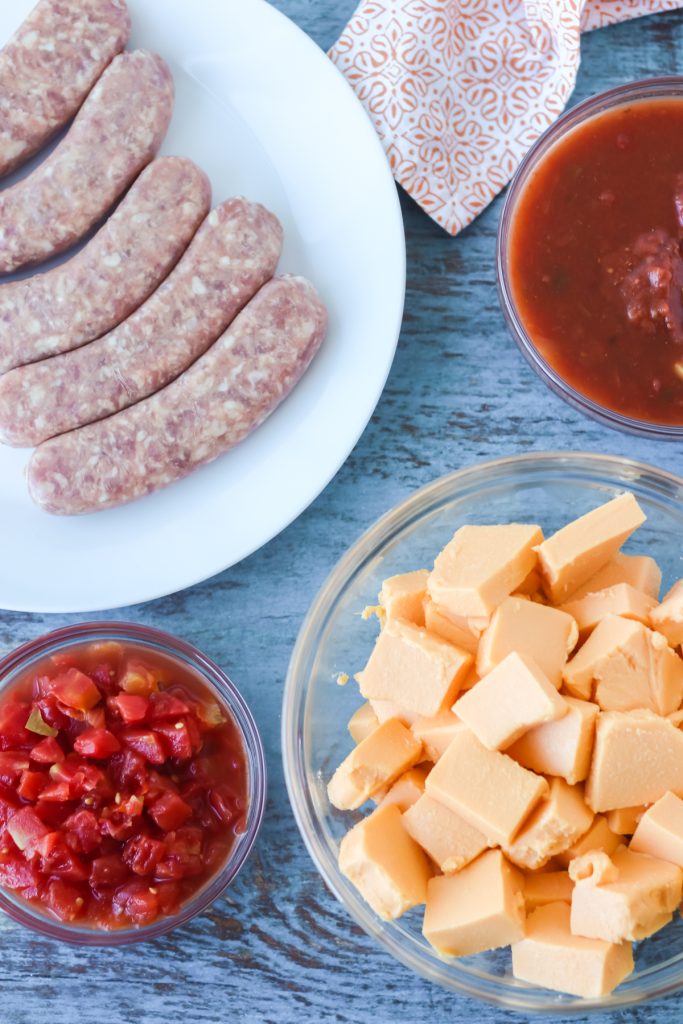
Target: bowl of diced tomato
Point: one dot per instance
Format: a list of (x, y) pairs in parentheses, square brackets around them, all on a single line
[(132, 783)]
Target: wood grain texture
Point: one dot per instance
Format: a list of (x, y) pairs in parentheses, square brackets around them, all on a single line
[(279, 948)]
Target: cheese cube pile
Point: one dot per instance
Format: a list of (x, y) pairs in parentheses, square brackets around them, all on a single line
[(521, 737)]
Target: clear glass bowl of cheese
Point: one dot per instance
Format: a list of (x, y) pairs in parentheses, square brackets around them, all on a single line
[(549, 489)]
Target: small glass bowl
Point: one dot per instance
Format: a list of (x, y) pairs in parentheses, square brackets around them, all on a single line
[(15, 665), (549, 489), (670, 87)]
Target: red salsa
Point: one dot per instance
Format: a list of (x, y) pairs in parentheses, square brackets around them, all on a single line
[(595, 259), (122, 785)]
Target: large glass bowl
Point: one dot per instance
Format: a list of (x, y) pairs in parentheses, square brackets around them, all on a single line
[(549, 489)]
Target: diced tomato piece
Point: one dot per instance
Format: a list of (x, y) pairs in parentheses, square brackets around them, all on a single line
[(105, 676), (12, 764), (26, 828), (47, 751), (50, 712), (158, 785), (138, 679), (8, 805), (97, 743), (108, 871), (76, 690), (96, 718), (16, 873), (13, 731), (131, 707), (224, 804), (168, 895), (65, 659), (31, 785), (165, 705), (137, 901), (184, 855), (65, 900), (209, 716), (57, 859), (146, 743), (170, 811), (142, 854), (176, 737), (82, 832), (129, 770), (118, 825), (57, 792)]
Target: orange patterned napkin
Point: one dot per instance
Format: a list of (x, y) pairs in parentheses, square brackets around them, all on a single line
[(459, 89)]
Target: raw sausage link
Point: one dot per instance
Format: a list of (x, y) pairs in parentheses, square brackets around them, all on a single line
[(210, 408), (49, 67), (116, 133), (234, 252), (107, 280)]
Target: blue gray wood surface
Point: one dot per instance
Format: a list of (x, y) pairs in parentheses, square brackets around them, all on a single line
[(278, 948)]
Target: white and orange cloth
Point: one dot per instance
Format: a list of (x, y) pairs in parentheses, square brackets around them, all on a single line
[(458, 90)]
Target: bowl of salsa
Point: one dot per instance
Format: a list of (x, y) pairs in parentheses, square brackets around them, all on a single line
[(590, 257), (132, 783)]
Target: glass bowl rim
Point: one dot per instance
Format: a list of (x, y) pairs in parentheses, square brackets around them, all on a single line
[(223, 687), (367, 546), (658, 86)]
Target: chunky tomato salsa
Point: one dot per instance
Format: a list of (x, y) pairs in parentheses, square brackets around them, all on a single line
[(595, 260), (122, 785)]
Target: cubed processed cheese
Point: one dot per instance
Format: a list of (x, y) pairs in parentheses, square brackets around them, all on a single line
[(562, 747), (598, 839), (514, 697), (637, 757), (448, 839), (480, 566), (557, 822), (414, 669), (386, 709), (624, 820), (377, 761), (640, 572), (402, 597), (362, 722), (576, 552), (637, 903), (407, 789), (623, 665), (543, 887), (489, 790), (621, 599), (463, 632), (550, 956), (667, 618), (531, 585), (479, 908), (659, 832), (387, 867), (436, 732), (544, 634)]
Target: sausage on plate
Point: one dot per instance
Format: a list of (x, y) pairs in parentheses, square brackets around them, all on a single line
[(235, 251), (209, 409), (113, 274), (49, 67), (116, 133)]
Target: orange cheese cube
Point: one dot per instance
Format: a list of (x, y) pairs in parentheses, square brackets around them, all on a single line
[(623, 820), (387, 867), (598, 839), (513, 698), (623, 665), (524, 627), (557, 822), (550, 956), (562, 747), (667, 618), (659, 832), (463, 632), (489, 790), (635, 904), (377, 761), (576, 552), (444, 835), (436, 732), (622, 599), (640, 572), (414, 669), (383, 710), (362, 722), (637, 757), (480, 566), (547, 887), (479, 908), (531, 585), (402, 597), (407, 789)]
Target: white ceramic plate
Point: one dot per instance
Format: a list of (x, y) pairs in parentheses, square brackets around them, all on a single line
[(265, 113)]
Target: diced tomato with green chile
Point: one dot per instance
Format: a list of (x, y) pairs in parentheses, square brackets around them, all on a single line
[(122, 786)]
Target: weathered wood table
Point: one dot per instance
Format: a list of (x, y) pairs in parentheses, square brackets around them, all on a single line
[(279, 948)]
